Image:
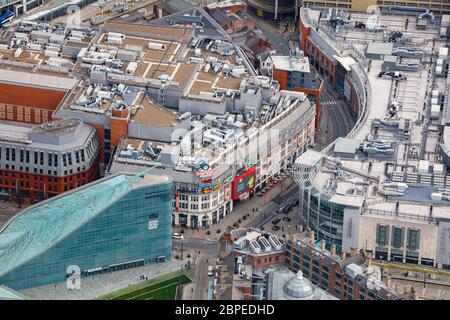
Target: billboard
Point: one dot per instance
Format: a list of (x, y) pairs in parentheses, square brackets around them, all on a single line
[(243, 183)]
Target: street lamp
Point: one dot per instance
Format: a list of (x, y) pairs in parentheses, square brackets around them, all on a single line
[(182, 249), (424, 277)]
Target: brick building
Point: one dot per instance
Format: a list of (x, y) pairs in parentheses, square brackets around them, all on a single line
[(347, 278), (293, 72), (37, 162)]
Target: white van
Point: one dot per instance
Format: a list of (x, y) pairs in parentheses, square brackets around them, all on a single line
[(210, 271)]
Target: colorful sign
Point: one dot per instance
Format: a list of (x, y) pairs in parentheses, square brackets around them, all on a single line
[(203, 169), (243, 183), (206, 190)]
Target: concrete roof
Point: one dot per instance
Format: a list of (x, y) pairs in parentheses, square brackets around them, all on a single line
[(37, 79), (380, 48), (291, 63), (346, 145)]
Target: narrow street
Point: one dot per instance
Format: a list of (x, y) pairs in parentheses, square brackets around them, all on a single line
[(279, 41)]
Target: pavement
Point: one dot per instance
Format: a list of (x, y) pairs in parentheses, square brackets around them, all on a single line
[(98, 285), (7, 210)]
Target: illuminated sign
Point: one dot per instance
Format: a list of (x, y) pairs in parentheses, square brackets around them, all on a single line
[(203, 169), (206, 190), (243, 183)]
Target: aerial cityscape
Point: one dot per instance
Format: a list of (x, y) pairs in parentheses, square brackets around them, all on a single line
[(224, 150)]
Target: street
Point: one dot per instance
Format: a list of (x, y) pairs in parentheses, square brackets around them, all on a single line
[(207, 256), (273, 34)]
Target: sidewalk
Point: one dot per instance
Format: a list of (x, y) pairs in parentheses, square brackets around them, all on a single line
[(240, 209)]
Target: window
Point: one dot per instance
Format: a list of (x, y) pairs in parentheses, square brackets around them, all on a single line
[(397, 237), (413, 239), (382, 234), (205, 206)]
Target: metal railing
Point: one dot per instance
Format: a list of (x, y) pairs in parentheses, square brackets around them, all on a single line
[(410, 216)]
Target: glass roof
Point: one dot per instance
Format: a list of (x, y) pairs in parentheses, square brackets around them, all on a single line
[(39, 227), (299, 287), (8, 294)]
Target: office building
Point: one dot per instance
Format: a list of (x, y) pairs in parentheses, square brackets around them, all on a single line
[(115, 223)]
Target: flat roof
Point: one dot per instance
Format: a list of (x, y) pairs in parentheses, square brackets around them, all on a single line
[(157, 31), (289, 63), (380, 48), (153, 114), (346, 145), (346, 61)]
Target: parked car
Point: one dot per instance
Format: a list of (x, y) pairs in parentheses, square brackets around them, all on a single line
[(275, 228), (210, 270), (178, 236), (276, 221)]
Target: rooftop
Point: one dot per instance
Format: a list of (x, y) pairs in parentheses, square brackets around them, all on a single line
[(380, 162), (298, 63)]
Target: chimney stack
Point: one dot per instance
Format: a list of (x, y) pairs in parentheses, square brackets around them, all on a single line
[(352, 252), (388, 281), (311, 237), (343, 255), (322, 244), (397, 287), (369, 262)]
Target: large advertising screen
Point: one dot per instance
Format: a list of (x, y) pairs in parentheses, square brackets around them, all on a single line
[(243, 183)]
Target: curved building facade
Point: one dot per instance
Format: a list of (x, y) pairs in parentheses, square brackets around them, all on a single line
[(324, 217), (38, 162), (115, 223)]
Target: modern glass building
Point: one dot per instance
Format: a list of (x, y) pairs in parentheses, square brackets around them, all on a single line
[(324, 217), (114, 223)]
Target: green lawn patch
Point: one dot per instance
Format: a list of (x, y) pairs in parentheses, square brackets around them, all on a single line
[(161, 288)]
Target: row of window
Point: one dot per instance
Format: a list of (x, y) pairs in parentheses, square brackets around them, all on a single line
[(26, 156), (398, 235)]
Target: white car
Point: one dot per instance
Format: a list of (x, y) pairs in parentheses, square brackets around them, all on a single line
[(177, 236)]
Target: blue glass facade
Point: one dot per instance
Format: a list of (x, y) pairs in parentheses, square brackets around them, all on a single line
[(132, 230), (326, 219)]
